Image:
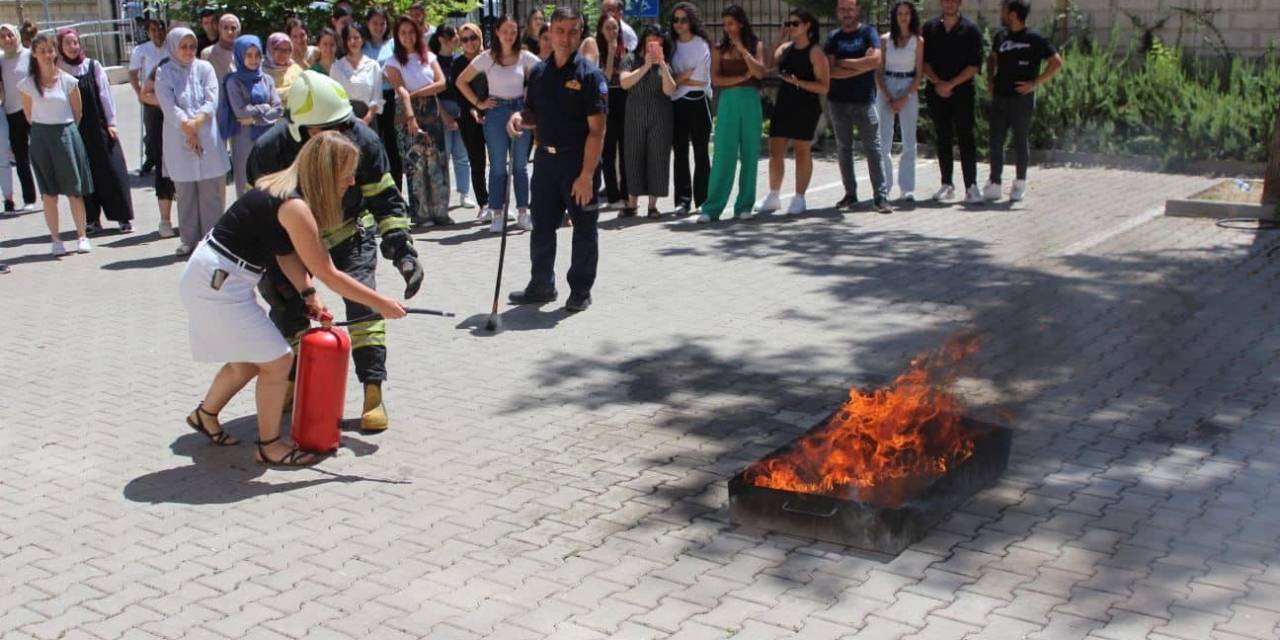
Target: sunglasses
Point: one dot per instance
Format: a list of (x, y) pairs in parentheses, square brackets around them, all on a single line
[(792, 23), (679, 20), (466, 39)]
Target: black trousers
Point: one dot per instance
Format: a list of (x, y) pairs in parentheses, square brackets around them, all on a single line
[(357, 257), (692, 127), (473, 140), (612, 162), (553, 176), (386, 127), (1011, 113), (953, 119), (20, 144), (153, 125)]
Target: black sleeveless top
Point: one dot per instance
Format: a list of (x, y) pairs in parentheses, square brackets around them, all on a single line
[(251, 228), (796, 62)]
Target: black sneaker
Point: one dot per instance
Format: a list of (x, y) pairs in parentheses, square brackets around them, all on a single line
[(532, 296), (92, 229), (849, 201), (577, 302), (4, 268), (882, 206), (8, 206), (444, 221)]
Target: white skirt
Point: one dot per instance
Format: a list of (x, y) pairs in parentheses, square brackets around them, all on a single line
[(227, 324)]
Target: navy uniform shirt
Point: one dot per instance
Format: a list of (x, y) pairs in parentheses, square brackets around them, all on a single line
[(561, 98)]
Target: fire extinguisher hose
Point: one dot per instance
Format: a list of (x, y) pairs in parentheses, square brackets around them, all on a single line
[(409, 310)]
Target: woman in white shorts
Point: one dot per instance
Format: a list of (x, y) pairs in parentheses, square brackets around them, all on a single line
[(271, 222)]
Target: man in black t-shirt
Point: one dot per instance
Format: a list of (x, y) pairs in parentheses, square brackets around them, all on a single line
[(853, 52), (952, 56), (1013, 74)]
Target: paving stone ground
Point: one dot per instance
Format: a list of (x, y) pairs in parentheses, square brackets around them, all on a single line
[(566, 478)]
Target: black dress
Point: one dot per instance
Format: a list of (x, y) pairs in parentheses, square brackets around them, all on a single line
[(106, 157), (796, 113)]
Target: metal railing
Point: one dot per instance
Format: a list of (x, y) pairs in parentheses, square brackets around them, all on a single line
[(108, 41)]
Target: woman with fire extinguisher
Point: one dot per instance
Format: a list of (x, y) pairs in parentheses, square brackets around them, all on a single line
[(279, 219)]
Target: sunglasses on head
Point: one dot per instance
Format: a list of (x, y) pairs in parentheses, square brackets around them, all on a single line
[(792, 23)]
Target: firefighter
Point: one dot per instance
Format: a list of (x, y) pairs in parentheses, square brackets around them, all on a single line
[(372, 210)]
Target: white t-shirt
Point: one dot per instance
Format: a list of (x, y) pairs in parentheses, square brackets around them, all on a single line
[(53, 106), (505, 82), (416, 74), (13, 68), (144, 58), (694, 54), (899, 60), (363, 83)]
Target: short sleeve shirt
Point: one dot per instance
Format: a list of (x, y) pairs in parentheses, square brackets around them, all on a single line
[(851, 45), (561, 98), (505, 81), (949, 52), (144, 58), (1018, 58), (416, 73), (53, 104)]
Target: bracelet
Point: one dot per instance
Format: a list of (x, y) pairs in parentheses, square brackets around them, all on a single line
[(308, 292)]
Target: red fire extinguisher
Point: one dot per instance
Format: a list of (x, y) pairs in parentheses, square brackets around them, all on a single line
[(320, 387)]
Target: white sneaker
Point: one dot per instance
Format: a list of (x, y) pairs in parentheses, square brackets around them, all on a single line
[(1019, 190), (946, 193), (57, 249), (907, 197), (182, 250), (466, 201), (525, 220), (166, 229), (770, 203), (973, 195), (83, 246), (617, 204), (485, 215), (702, 219), (797, 205), (991, 192), (745, 215)]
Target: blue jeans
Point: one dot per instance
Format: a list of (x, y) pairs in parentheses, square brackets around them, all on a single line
[(499, 146), (458, 156)]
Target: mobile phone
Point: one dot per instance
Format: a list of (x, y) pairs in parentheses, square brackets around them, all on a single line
[(219, 277), (655, 49)]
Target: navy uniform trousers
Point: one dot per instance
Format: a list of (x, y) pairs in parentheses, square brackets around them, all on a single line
[(552, 196)]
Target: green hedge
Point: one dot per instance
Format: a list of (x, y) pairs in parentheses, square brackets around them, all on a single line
[(1158, 103)]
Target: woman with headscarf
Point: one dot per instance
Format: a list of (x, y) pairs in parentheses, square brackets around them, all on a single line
[(187, 89), (249, 106), (110, 195), (280, 66)]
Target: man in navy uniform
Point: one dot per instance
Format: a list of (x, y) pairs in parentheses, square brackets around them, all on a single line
[(571, 96)]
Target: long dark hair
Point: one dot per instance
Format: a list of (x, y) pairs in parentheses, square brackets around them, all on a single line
[(375, 11), (443, 31), (33, 66), (914, 26), (528, 21), (495, 45), (695, 22), (347, 30), (419, 47), (654, 31), (808, 18), (601, 41), (748, 36)]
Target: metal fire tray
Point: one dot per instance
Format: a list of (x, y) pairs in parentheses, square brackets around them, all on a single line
[(864, 524)]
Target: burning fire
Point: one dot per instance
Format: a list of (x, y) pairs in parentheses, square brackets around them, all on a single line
[(882, 446)]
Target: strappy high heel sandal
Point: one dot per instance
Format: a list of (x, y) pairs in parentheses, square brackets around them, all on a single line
[(295, 457), (221, 438)]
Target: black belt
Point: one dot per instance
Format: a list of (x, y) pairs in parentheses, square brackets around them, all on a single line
[(900, 74), (557, 150), (226, 253)]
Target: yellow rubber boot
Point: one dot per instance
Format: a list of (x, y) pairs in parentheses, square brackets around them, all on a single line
[(374, 417)]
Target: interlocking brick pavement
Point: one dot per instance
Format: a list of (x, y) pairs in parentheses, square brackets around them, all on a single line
[(566, 477)]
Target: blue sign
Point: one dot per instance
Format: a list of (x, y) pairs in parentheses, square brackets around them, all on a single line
[(641, 8)]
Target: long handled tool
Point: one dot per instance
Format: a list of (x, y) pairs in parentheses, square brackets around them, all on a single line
[(492, 324), (410, 311)]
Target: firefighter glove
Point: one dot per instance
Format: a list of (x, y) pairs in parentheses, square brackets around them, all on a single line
[(413, 274)]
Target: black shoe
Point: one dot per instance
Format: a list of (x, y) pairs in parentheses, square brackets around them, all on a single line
[(654, 213), (92, 229), (849, 201), (8, 206), (530, 296), (443, 221), (882, 206), (577, 302), (628, 212), (4, 268), (682, 211)]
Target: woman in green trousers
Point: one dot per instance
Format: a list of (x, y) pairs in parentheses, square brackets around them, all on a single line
[(737, 66)]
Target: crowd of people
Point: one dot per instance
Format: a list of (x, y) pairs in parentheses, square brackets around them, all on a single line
[(326, 139)]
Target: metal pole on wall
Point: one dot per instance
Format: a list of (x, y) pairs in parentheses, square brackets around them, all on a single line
[(48, 19)]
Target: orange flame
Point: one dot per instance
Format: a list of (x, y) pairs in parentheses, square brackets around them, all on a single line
[(885, 446)]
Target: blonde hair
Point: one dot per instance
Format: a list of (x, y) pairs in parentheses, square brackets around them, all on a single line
[(473, 28), (324, 161)]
